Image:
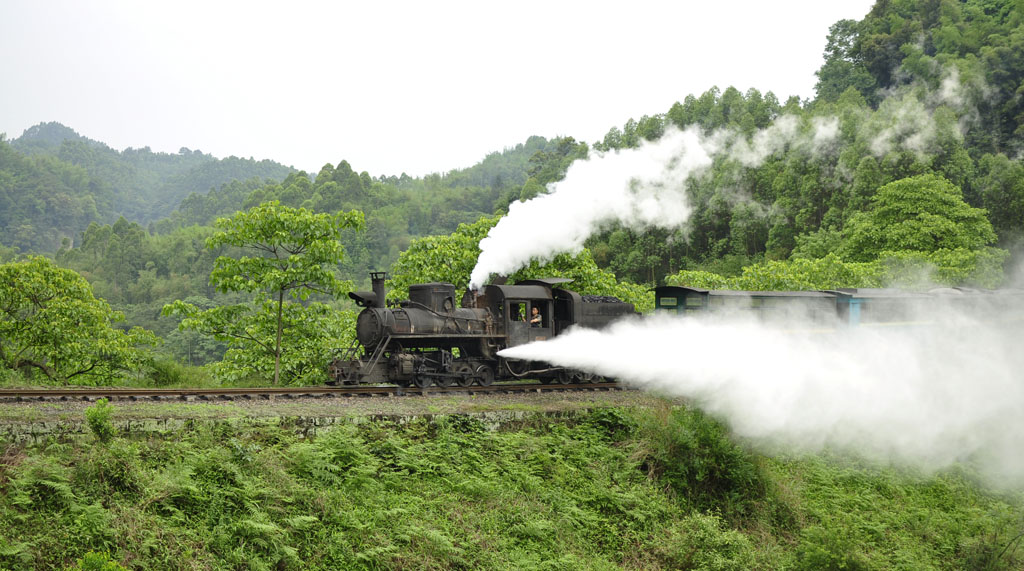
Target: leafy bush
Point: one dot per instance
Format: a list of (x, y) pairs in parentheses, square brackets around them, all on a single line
[(923, 213), (41, 484), (699, 542), (166, 372), (93, 561), (693, 454), (111, 469), (614, 423), (828, 550), (98, 418), (11, 378)]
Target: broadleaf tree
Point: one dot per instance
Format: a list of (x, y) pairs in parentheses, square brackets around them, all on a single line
[(923, 213), (282, 255), (51, 322)]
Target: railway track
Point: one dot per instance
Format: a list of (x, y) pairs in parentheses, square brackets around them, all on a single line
[(140, 394)]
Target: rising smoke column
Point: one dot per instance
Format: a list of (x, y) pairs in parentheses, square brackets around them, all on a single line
[(925, 397), (639, 188)]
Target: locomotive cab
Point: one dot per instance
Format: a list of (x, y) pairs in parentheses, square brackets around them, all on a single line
[(513, 308)]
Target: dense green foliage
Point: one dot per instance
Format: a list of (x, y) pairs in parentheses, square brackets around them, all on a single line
[(51, 323), (767, 212), (910, 270), (616, 488), (925, 213), (398, 209), (139, 273), (44, 201), (917, 232)]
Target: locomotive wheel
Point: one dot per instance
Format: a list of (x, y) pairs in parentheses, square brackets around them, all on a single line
[(484, 376), (421, 381), (443, 381), (582, 377), (465, 375), (565, 377)]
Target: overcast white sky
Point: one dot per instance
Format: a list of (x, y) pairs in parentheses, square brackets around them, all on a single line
[(397, 86)]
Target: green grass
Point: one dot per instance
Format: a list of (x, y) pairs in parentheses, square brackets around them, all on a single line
[(661, 488), (162, 372)]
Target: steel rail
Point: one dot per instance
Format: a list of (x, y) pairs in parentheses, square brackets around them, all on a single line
[(285, 392)]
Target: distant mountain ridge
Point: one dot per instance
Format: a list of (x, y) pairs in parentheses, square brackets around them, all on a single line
[(55, 181), (146, 185), (48, 137)]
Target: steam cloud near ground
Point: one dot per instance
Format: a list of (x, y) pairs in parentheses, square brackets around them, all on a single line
[(925, 397)]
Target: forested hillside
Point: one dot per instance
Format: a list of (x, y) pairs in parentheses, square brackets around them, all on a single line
[(916, 88), (55, 182)]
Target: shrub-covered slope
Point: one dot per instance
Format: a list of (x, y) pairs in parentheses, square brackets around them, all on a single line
[(616, 489)]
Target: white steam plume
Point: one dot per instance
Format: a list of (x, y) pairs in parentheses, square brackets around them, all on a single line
[(640, 188), (927, 397)]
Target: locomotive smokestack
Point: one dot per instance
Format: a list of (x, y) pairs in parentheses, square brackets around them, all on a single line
[(379, 289)]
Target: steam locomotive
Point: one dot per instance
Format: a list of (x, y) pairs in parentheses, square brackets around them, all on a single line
[(426, 340)]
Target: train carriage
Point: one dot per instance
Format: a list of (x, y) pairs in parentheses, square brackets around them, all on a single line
[(852, 307)]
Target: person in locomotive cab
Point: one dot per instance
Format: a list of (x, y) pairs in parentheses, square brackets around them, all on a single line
[(535, 319)]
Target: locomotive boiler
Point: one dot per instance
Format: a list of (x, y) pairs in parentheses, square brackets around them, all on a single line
[(428, 340)]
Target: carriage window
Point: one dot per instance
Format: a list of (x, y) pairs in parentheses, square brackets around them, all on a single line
[(517, 311), (668, 302)]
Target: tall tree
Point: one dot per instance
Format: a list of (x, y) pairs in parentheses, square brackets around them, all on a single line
[(843, 67), (279, 252), (923, 213)]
